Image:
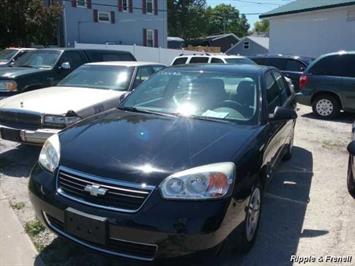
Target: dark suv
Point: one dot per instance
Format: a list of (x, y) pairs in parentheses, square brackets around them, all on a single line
[(46, 67), (291, 66), (328, 84)]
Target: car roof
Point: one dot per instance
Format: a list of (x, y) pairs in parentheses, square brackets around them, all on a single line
[(124, 63), (302, 58), (20, 48), (211, 55), (80, 49), (224, 68)]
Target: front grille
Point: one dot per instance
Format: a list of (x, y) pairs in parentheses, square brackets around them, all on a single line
[(118, 196), (20, 117), (113, 246)]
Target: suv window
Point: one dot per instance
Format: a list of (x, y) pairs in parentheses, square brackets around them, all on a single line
[(284, 90), (74, 58), (272, 92), (216, 61), (100, 56), (258, 60), (294, 65), (335, 65), (279, 63), (180, 61), (197, 60), (143, 74)]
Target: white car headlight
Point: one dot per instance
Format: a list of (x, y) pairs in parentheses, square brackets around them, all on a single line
[(50, 153), (210, 181), (8, 85), (60, 121)]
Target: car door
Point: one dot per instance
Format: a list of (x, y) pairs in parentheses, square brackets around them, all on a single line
[(348, 75), (277, 95)]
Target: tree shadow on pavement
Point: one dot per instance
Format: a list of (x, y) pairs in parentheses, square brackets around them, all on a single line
[(284, 209), (19, 160)]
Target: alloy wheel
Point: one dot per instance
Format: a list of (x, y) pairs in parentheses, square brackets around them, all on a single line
[(253, 214), (324, 107)]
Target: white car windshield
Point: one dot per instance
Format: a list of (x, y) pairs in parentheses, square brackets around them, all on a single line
[(198, 94), (99, 77)]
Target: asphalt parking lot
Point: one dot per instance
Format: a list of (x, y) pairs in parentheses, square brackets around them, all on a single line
[(307, 210)]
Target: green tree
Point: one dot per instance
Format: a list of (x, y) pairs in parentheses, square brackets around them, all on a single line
[(262, 26), (225, 18), (26, 21), (186, 18)]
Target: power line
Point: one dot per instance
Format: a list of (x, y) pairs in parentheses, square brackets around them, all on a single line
[(259, 3)]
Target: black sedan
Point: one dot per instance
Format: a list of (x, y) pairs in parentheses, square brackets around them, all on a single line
[(179, 167), (351, 167)]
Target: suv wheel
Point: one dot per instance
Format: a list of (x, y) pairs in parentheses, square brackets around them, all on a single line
[(326, 106)]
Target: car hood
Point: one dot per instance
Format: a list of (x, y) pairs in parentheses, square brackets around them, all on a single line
[(60, 100), (139, 147), (13, 72)]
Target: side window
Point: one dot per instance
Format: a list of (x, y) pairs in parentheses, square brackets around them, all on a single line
[(284, 90), (116, 57), (334, 65), (143, 74), (349, 66), (259, 61), (180, 61), (216, 61), (157, 68), (294, 65), (272, 93), (279, 63), (74, 58), (198, 60)]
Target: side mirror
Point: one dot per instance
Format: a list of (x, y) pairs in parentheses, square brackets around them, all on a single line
[(282, 113), (65, 66), (351, 148)]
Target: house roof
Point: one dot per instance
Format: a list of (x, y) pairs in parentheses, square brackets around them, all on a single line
[(220, 36), (262, 41), (300, 6)]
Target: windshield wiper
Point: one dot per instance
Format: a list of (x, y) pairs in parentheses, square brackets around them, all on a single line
[(144, 111), (29, 66), (207, 118)]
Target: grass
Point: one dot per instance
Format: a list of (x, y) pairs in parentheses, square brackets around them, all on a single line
[(17, 205), (34, 228)]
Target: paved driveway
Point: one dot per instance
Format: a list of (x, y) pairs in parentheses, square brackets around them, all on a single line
[(307, 210)]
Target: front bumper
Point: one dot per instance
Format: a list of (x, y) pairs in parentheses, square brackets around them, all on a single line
[(160, 229), (28, 136)]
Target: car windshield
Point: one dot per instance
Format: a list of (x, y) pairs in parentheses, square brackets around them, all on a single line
[(38, 59), (7, 54), (99, 77), (198, 94), (244, 61)]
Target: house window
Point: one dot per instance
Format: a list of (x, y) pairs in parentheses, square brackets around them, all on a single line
[(246, 45), (104, 17), (81, 3), (150, 7), (125, 5), (150, 38)]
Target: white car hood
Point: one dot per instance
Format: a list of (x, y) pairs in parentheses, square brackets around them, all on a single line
[(60, 100)]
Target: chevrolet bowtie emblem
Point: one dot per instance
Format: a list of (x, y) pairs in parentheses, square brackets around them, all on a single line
[(21, 104), (95, 190)]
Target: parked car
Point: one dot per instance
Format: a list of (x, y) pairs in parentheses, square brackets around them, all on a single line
[(179, 167), (328, 85), (211, 59), (33, 116), (46, 67), (351, 166), (291, 66), (10, 55)]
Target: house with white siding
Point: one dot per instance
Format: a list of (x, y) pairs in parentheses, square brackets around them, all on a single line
[(312, 27)]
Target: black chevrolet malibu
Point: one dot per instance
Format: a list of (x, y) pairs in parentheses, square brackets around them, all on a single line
[(179, 167)]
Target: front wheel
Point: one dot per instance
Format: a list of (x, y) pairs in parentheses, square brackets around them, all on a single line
[(326, 106), (243, 237), (350, 179)]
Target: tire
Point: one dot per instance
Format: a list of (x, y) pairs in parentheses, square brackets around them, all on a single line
[(350, 179), (326, 106), (243, 237)]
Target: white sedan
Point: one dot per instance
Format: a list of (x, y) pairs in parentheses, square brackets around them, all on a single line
[(33, 116)]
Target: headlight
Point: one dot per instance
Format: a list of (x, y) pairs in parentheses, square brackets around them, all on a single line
[(8, 85), (50, 153), (59, 121), (210, 181)]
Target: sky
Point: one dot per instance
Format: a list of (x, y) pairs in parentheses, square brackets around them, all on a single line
[(252, 8)]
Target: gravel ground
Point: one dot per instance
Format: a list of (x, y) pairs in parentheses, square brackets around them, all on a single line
[(307, 210)]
